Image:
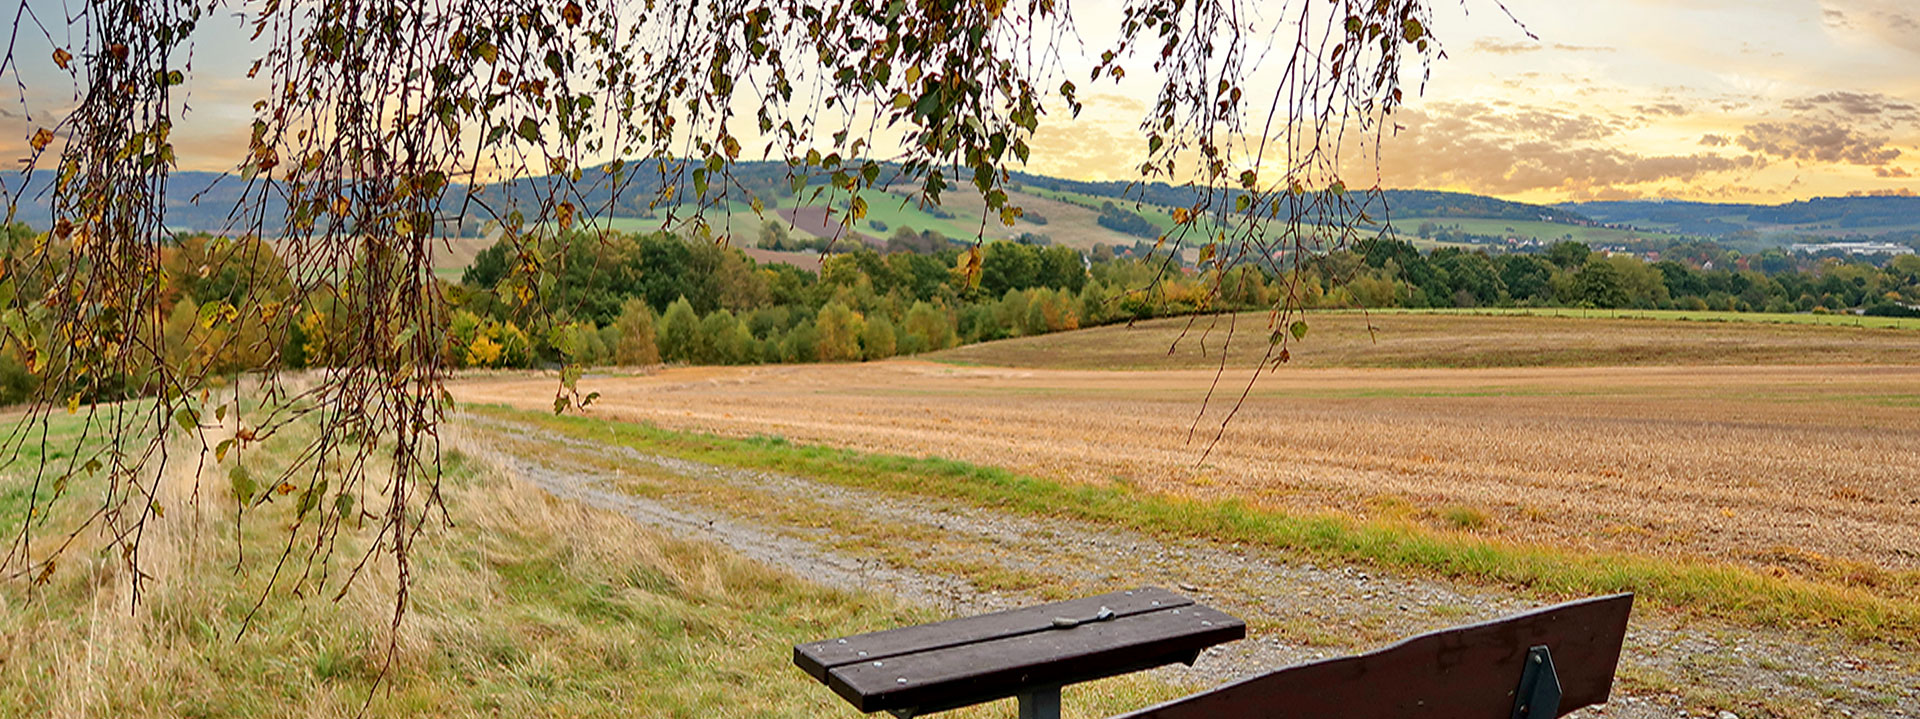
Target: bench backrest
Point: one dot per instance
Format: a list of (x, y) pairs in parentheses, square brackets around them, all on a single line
[(1469, 672)]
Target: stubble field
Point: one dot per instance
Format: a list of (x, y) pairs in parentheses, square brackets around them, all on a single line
[(1811, 471)]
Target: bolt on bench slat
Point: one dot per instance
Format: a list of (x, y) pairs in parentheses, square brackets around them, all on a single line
[(1469, 672)]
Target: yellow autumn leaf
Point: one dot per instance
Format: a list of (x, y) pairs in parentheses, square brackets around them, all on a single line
[(41, 139), (61, 57)]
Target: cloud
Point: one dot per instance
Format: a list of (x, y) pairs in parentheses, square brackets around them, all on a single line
[(1852, 103), (1711, 140), (1470, 146), (1891, 172), (1497, 46), (1893, 22), (1660, 109), (1890, 192), (1816, 142), (1552, 126)]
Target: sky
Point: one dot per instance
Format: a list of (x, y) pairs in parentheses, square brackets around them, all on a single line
[(1714, 100)]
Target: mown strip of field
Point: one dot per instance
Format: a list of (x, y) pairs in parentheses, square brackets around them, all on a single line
[(1466, 339), (1782, 318), (1697, 587)]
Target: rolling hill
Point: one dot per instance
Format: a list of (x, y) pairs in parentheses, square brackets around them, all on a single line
[(1078, 213)]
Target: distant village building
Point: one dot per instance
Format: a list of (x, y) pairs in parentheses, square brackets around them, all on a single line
[(1853, 248)]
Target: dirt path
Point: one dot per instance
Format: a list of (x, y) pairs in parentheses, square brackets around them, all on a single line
[(965, 560)]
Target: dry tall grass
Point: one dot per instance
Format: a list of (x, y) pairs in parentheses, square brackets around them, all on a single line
[(525, 606)]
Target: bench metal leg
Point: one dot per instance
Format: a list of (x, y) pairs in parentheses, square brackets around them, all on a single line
[(1041, 703)]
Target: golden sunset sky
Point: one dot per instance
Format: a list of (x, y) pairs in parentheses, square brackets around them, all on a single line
[(1716, 100)]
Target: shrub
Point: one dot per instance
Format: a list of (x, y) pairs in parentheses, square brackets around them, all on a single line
[(929, 327), (877, 340), (839, 333), (634, 329), (679, 334)]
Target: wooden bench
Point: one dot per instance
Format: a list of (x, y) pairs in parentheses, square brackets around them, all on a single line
[(1537, 665)]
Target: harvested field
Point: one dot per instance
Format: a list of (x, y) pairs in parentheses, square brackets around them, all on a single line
[(816, 221), (809, 261), (1352, 339), (1809, 471)]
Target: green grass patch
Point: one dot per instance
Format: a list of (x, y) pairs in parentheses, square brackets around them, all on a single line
[(1536, 229), (1782, 318), (1698, 587)]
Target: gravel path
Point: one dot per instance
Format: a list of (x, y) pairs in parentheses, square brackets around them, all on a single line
[(1297, 611)]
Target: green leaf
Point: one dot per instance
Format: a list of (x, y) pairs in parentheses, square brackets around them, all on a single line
[(529, 130), (243, 486), (187, 418), (1411, 30), (343, 504), (220, 450), (1299, 329), (310, 499)]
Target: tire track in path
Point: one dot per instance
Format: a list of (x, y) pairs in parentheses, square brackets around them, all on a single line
[(1296, 610)]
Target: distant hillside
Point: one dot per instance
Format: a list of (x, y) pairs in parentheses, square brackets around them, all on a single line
[(1403, 203), (635, 194), (1820, 216), (1082, 214)]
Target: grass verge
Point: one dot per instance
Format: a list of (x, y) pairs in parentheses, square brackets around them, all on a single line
[(525, 606), (1694, 587)]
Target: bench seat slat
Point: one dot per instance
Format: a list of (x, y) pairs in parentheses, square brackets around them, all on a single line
[(974, 671), (1469, 672), (817, 658)]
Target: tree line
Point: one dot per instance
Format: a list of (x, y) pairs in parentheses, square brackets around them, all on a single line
[(1686, 276), (643, 299)]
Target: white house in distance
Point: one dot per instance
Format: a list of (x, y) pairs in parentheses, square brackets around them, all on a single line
[(1853, 248)]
